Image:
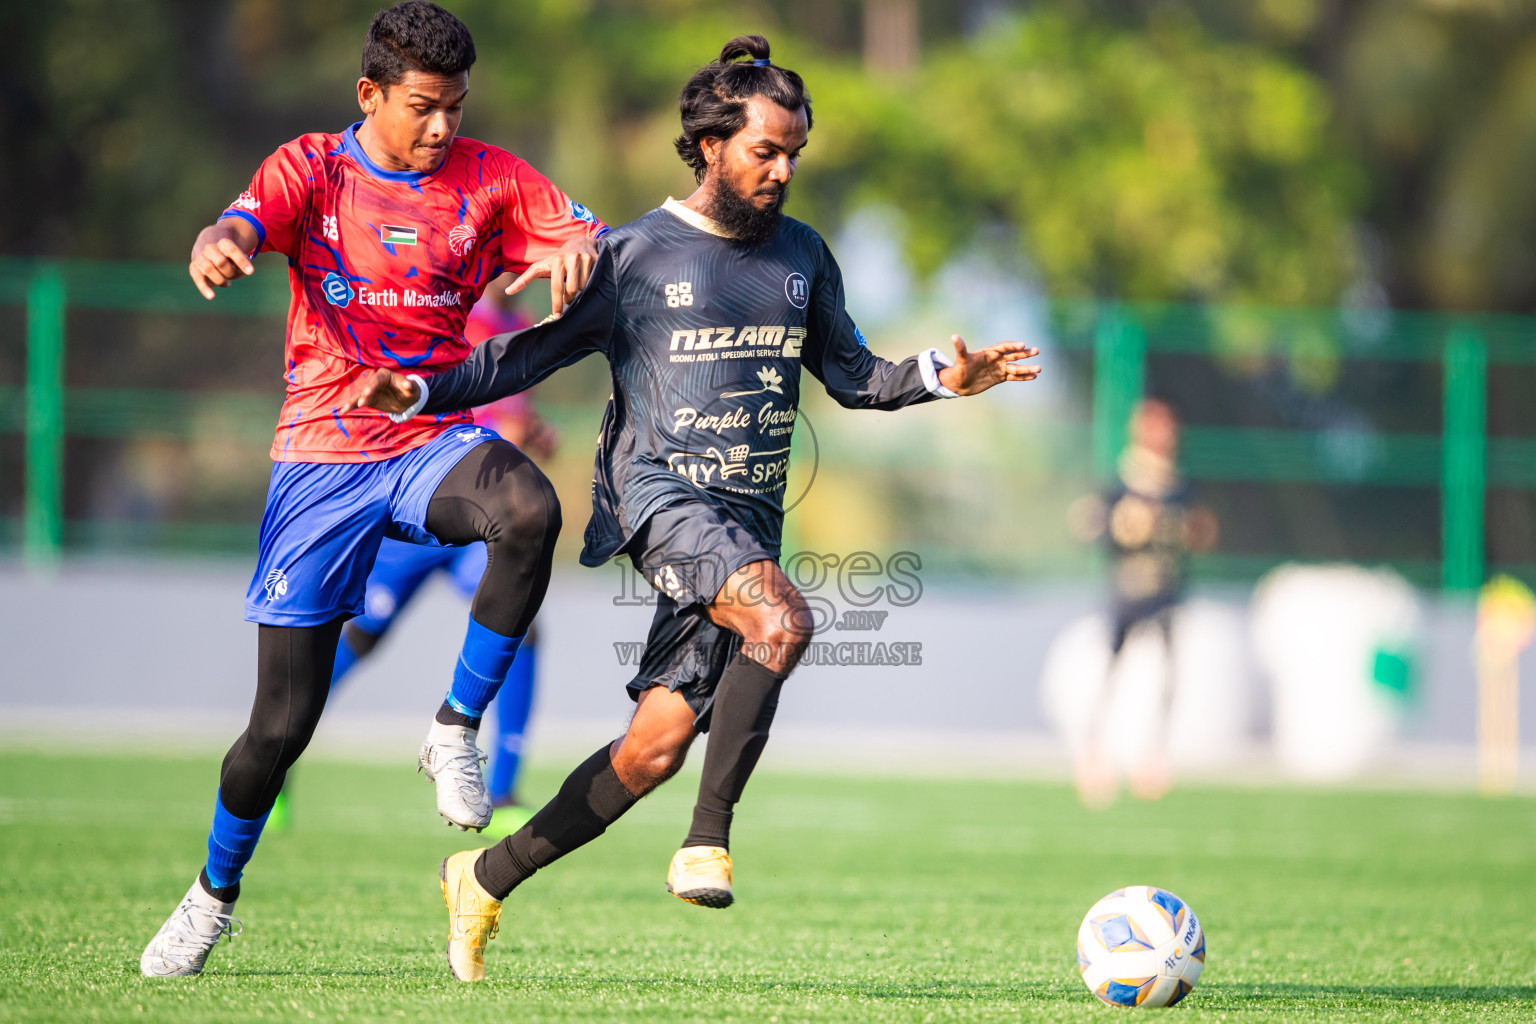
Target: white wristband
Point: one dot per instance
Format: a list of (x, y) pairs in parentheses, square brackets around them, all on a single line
[(929, 362), (421, 385)]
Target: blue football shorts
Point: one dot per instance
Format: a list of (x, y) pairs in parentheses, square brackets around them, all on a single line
[(324, 522)]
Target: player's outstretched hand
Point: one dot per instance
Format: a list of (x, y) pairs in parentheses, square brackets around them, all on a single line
[(974, 372), (567, 271), (384, 390), (219, 257)]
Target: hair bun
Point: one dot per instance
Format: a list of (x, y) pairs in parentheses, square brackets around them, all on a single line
[(713, 103), (753, 46)]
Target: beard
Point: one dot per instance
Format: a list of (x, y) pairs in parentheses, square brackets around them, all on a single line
[(739, 217)]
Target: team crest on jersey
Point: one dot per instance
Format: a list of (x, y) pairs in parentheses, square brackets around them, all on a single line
[(338, 290), (461, 239), (797, 290), (276, 584)]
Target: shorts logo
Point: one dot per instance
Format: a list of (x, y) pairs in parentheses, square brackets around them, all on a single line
[(667, 582), (579, 212), (338, 291), (276, 585), (679, 294), (461, 239), (797, 290)]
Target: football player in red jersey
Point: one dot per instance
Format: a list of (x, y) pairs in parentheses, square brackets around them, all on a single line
[(402, 567), (392, 229)]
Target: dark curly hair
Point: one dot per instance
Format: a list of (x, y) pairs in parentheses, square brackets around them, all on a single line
[(415, 35), (714, 102)]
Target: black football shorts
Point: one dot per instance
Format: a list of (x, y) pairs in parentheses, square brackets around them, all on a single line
[(686, 551)]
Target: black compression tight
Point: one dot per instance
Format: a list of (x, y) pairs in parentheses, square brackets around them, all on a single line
[(495, 494), (293, 678)]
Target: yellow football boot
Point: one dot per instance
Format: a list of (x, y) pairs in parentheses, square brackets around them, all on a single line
[(701, 875), (473, 916)]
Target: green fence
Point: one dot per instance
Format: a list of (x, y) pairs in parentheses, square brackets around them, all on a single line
[(1460, 460), (46, 411)]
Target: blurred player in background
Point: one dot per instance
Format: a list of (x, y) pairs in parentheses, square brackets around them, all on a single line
[(402, 567), (392, 229), (707, 311), (1150, 525)]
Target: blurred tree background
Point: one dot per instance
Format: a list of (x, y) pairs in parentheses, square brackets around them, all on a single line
[(1278, 151), (970, 157)]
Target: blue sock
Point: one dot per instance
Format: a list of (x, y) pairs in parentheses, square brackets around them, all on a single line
[(231, 841), (513, 705), (482, 665), (346, 657)]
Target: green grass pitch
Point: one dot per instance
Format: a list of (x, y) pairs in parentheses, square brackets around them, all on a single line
[(859, 900)]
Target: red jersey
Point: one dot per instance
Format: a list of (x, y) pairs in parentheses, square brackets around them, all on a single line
[(384, 267)]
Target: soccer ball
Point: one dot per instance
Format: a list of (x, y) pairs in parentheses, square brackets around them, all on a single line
[(1140, 946)]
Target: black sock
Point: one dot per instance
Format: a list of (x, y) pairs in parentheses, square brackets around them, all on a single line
[(745, 700), (446, 715), (590, 799), (228, 894)]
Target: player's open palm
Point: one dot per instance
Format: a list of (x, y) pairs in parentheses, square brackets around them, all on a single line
[(384, 390), (975, 372)]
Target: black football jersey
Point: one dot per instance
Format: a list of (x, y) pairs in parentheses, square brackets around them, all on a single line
[(705, 339)]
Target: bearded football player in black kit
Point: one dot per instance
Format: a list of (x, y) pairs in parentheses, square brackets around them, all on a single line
[(707, 310)]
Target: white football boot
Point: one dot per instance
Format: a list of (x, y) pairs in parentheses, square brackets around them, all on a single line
[(450, 759), (181, 946)]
